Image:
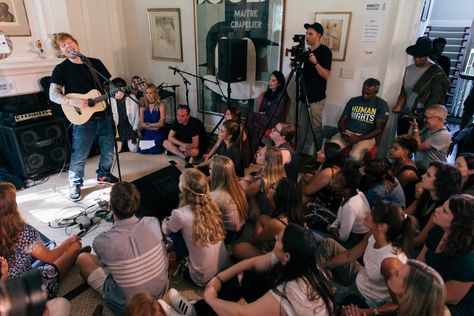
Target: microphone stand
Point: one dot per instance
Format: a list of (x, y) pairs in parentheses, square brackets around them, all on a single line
[(174, 86), (202, 80), (108, 111), (186, 83)]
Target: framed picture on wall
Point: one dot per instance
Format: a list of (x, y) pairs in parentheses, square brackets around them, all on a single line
[(165, 34), (336, 31), (13, 18)]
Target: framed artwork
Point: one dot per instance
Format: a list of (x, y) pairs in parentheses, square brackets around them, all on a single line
[(165, 34), (238, 45), (13, 18), (336, 32)]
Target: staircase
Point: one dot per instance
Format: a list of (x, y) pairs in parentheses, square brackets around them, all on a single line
[(456, 42)]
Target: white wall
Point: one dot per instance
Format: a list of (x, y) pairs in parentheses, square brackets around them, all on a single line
[(452, 12)]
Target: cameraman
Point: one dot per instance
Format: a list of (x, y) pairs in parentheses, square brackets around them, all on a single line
[(316, 72)]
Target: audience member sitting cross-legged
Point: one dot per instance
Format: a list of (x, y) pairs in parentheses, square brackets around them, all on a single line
[(229, 196), (130, 257), (287, 210), (384, 250), (257, 187), (285, 281), (152, 120), (197, 229)]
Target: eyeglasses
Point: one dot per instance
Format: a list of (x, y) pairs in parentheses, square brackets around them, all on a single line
[(276, 130), (431, 117)]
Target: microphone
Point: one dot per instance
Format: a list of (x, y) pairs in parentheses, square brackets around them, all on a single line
[(175, 69), (74, 53)]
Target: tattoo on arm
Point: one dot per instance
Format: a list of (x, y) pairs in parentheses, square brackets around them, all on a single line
[(56, 94)]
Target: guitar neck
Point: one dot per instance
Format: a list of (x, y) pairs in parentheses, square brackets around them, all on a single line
[(106, 95)]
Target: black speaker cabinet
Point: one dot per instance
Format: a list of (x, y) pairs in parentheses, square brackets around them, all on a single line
[(35, 149), (159, 192), (232, 60)]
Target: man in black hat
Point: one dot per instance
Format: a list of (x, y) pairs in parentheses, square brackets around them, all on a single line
[(424, 84), (316, 72)]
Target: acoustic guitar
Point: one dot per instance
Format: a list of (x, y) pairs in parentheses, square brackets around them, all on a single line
[(96, 103)]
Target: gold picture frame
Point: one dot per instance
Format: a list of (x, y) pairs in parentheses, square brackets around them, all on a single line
[(336, 32), (165, 34), (13, 18)]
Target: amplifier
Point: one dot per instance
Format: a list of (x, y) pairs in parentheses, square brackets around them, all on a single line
[(11, 119)]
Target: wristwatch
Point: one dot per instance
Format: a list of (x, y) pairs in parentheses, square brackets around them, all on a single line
[(147, 124)]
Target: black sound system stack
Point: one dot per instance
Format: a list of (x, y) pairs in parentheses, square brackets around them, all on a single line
[(32, 139)]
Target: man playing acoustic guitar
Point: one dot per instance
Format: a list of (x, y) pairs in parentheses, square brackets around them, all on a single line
[(75, 76)]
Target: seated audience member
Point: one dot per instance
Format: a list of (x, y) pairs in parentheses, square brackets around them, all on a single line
[(464, 138), (366, 286), (152, 120), (267, 105), (465, 165), (135, 88), (229, 196), (257, 188), (243, 141), (403, 167), (131, 256), (437, 55), (301, 288), (424, 84), (380, 185), (434, 139), (349, 227), (315, 186), (185, 138), (229, 133), (281, 135), (440, 181), (143, 304), (287, 210), (126, 116), (449, 249), (199, 227), (363, 121), (418, 289), (468, 110), (20, 245)]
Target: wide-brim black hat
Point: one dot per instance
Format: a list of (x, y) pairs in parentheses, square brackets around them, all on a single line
[(422, 48)]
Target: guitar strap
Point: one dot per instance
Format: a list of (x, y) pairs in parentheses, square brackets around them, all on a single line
[(94, 75)]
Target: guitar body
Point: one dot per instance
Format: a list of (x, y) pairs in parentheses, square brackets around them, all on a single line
[(79, 116)]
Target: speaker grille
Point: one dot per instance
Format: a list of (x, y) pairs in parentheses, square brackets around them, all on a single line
[(36, 149)]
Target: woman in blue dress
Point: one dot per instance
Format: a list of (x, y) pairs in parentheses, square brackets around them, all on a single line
[(152, 121)]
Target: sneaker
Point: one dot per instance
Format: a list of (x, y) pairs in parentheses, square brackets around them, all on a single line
[(181, 304), (169, 311), (75, 192), (110, 178)]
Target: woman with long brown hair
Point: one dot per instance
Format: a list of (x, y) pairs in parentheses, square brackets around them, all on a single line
[(449, 249), (229, 196), (20, 243), (199, 227)]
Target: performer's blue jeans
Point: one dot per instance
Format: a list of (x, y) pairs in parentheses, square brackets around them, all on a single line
[(82, 140)]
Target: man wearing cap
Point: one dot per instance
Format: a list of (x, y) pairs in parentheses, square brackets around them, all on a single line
[(316, 72), (424, 84)]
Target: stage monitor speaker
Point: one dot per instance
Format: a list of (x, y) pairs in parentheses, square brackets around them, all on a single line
[(159, 192), (35, 149), (232, 60)]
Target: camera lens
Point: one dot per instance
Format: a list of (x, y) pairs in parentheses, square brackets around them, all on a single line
[(23, 296)]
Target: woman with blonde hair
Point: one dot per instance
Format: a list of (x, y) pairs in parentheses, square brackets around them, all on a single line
[(199, 228), (258, 188), (229, 196), (20, 244), (152, 120), (418, 288)]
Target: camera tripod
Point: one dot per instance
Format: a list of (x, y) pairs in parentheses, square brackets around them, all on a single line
[(299, 83)]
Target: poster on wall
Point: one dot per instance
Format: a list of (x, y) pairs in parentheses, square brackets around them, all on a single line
[(13, 18), (336, 32), (238, 45)]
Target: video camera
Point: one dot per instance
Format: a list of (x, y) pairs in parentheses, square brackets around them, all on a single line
[(298, 52), (23, 296)]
